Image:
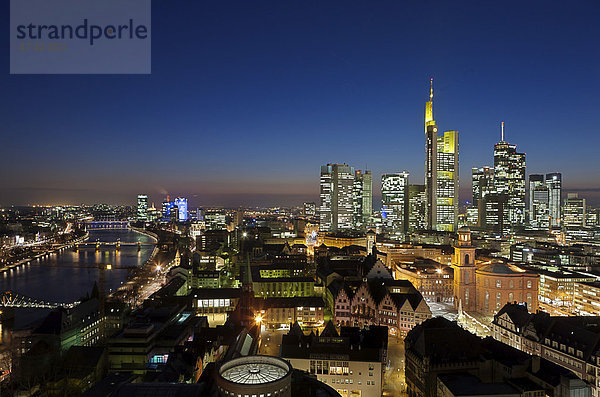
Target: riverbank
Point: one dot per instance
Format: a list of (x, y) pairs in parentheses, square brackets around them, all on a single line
[(47, 253), (150, 275), (145, 232)]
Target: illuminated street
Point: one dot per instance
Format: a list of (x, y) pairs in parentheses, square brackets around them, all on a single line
[(271, 341), (394, 384), (443, 309)]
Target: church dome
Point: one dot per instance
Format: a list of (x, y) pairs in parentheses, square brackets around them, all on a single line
[(498, 266)]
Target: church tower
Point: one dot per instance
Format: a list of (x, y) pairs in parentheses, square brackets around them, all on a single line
[(463, 264)]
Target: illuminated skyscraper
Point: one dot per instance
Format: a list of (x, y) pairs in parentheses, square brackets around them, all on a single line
[(337, 204), (142, 207), (483, 182), (509, 178), (493, 214), (167, 206), (393, 196), (482, 185), (539, 213), (415, 209), (182, 209), (362, 197), (554, 183), (447, 182), (574, 211), (535, 180), (441, 173), (430, 162)]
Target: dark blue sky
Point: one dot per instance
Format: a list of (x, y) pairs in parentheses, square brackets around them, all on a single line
[(247, 99)]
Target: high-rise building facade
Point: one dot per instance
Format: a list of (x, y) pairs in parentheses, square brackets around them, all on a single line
[(182, 209), (554, 183), (535, 180), (574, 211), (483, 183), (441, 173), (539, 198), (337, 204), (447, 182), (362, 196), (540, 211), (431, 133), (167, 207), (393, 197), (415, 212), (142, 207), (509, 179), (309, 209), (493, 213)]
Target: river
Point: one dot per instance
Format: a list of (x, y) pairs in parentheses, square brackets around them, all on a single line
[(70, 275)]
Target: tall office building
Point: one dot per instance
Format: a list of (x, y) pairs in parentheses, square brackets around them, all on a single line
[(142, 207), (493, 214), (182, 209), (430, 162), (483, 183), (447, 183), (393, 197), (535, 180), (309, 209), (337, 204), (539, 210), (441, 173), (167, 206), (554, 183), (574, 211), (362, 196), (367, 195), (415, 210), (509, 179)]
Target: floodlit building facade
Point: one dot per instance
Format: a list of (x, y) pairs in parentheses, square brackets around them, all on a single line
[(441, 173), (182, 209)]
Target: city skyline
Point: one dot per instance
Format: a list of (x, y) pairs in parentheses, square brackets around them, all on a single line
[(300, 199), (351, 85)]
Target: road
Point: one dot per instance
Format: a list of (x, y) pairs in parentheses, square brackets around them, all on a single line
[(271, 341), (394, 382)]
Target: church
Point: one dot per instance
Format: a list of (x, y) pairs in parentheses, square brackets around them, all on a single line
[(486, 286)]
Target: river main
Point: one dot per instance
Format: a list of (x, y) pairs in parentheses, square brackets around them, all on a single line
[(69, 275)]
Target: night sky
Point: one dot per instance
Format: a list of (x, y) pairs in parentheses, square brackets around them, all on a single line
[(247, 99)]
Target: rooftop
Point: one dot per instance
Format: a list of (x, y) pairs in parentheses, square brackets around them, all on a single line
[(255, 370)]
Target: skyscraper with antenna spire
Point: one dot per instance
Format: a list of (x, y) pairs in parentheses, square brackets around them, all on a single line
[(509, 179), (441, 173)]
